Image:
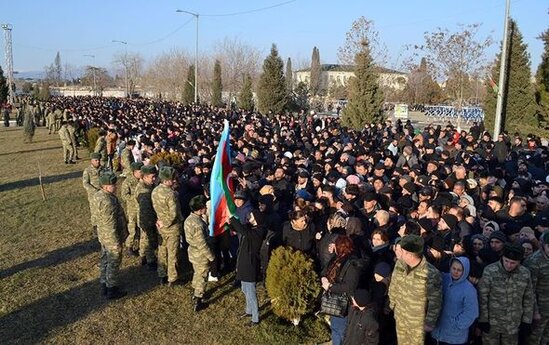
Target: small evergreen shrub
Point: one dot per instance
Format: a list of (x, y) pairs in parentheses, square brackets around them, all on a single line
[(92, 134), (292, 284), (172, 159)]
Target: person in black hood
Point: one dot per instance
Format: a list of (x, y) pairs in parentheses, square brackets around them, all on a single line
[(273, 226)]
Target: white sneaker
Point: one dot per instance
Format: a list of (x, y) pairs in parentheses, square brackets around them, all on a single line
[(212, 278)]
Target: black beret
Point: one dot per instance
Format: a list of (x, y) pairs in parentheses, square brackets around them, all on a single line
[(513, 251)]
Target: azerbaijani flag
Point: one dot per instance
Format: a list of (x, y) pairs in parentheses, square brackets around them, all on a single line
[(221, 186)]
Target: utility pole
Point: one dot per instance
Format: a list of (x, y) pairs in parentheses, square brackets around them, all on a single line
[(502, 70), (196, 15), (9, 61), (93, 73), (125, 64)]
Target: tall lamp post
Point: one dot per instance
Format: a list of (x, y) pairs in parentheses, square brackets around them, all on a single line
[(93, 73), (196, 15), (125, 62)]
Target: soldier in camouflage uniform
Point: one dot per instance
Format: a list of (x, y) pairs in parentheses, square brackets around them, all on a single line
[(200, 255), (90, 180), (127, 194), (415, 293), (51, 121), (65, 137), (126, 158), (101, 147), (538, 264), (506, 299), (72, 135), (146, 217), (111, 231), (58, 117), (168, 211)]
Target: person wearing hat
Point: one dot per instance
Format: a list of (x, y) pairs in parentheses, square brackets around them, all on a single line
[(169, 221), (538, 264), (126, 158), (146, 217), (90, 181), (415, 293), (362, 326), (111, 232), (127, 194), (497, 242), (66, 141), (447, 228), (506, 299), (200, 255), (459, 305)]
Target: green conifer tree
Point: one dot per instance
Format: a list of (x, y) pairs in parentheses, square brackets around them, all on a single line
[(271, 92), (315, 72), (365, 95), (4, 90), (217, 85), (519, 102), (246, 96), (289, 77), (542, 78), (188, 91)]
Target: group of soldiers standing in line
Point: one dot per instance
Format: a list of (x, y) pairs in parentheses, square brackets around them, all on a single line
[(149, 228)]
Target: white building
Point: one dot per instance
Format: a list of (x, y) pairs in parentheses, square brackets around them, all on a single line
[(332, 74)]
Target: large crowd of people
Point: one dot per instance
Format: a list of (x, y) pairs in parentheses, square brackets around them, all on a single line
[(435, 235)]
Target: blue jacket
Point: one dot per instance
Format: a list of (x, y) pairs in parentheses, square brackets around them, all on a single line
[(459, 308)]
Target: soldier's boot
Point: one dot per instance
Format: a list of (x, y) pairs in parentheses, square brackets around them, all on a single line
[(103, 289), (115, 293), (199, 304)]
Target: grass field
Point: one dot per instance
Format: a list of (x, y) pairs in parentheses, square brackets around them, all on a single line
[(49, 287)]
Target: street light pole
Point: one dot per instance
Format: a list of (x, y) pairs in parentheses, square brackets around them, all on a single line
[(502, 69), (125, 63), (196, 15), (93, 73)]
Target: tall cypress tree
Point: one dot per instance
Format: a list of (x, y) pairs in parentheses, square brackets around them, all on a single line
[(519, 102), (365, 95), (271, 93), (4, 89), (246, 96), (188, 91), (542, 78), (289, 77), (315, 72), (217, 86)]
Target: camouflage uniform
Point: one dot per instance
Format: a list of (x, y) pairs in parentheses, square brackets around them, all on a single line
[(111, 231), (200, 255), (538, 264), (127, 193), (58, 116), (146, 220), (126, 157), (101, 147), (506, 300), (168, 211), (90, 180), (415, 296), (51, 122), (68, 153), (72, 136)]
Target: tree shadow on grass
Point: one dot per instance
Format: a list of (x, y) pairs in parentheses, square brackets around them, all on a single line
[(32, 182), (55, 257), (32, 323), (29, 151)]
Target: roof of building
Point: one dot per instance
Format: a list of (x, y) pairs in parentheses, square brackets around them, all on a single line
[(349, 68)]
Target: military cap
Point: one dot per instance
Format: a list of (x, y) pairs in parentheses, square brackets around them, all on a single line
[(107, 178), (513, 251), (412, 243), (136, 166), (148, 170), (197, 203), (166, 173), (95, 155)]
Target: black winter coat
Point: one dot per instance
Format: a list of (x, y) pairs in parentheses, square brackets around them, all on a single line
[(362, 327), (303, 240), (248, 262)]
